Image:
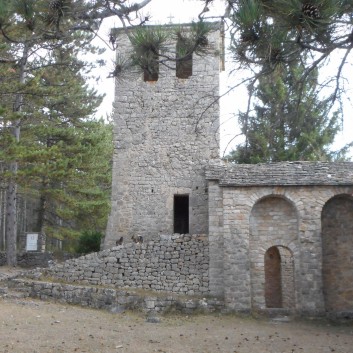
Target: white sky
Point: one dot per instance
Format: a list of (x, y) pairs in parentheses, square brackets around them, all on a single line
[(184, 11)]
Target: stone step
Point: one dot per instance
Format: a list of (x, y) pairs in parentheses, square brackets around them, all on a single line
[(281, 319), (277, 315)]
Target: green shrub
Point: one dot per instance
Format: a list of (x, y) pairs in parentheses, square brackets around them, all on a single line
[(89, 241)]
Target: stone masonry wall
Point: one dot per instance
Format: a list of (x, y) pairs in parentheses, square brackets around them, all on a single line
[(273, 222), (305, 245), (30, 259), (165, 132), (297, 223), (175, 263), (113, 299), (337, 243)]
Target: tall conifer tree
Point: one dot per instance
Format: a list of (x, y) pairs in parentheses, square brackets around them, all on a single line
[(288, 120), (31, 35)]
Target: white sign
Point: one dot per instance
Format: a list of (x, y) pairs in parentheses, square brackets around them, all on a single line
[(32, 242)]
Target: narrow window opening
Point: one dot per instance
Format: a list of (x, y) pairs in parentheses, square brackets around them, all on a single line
[(151, 70), (150, 76), (181, 214), (183, 59)]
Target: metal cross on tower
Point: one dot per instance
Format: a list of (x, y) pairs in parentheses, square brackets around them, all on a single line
[(170, 18)]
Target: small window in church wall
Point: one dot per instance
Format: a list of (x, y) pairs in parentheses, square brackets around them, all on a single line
[(149, 76), (151, 70), (183, 60), (181, 214)]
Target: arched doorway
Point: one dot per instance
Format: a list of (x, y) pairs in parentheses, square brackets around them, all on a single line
[(279, 278), (273, 225), (337, 250), (273, 283)]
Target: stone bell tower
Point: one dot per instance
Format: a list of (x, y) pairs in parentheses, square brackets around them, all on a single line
[(166, 129)]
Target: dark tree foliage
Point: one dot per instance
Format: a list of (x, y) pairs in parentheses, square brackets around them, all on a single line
[(280, 129), (88, 242), (267, 40), (267, 35), (42, 91), (64, 155)]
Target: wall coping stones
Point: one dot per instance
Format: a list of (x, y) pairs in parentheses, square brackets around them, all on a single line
[(300, 173)]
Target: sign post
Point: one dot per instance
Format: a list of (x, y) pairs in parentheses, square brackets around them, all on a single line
[(32, 242)]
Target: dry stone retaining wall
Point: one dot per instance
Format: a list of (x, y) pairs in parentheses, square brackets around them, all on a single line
[(176, 264), (30, 259), (114, 300)]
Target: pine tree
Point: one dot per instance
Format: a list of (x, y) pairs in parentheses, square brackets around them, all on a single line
[(288, 122), (64, 155), (27, 42), (67, 167), (266, 35), (74, 181)]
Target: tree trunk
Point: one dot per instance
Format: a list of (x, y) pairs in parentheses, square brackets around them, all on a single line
[(2, 218), (11, 208), (11, 199), (41, 211), (11, 220)]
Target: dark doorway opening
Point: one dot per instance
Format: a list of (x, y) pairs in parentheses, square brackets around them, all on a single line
[(181, 214), (273, 281)]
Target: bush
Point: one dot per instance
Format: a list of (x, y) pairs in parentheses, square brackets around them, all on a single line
[(89, 241)]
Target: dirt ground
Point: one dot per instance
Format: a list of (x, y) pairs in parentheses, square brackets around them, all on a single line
[(31, 326)]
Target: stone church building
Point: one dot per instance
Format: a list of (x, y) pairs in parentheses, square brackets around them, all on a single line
[(280, 235)]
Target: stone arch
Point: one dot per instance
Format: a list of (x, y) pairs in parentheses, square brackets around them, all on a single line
[(280, 192), (273, 224), (337, 250)]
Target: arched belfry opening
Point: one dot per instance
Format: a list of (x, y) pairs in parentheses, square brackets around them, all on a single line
[(337, 249)]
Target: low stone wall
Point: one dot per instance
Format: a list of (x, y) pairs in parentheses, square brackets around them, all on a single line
[(176, 264), (30, 259), (2, 259), (115, 300), (34, 259)]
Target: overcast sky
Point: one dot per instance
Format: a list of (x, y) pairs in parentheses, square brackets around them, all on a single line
[(184, 11)]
